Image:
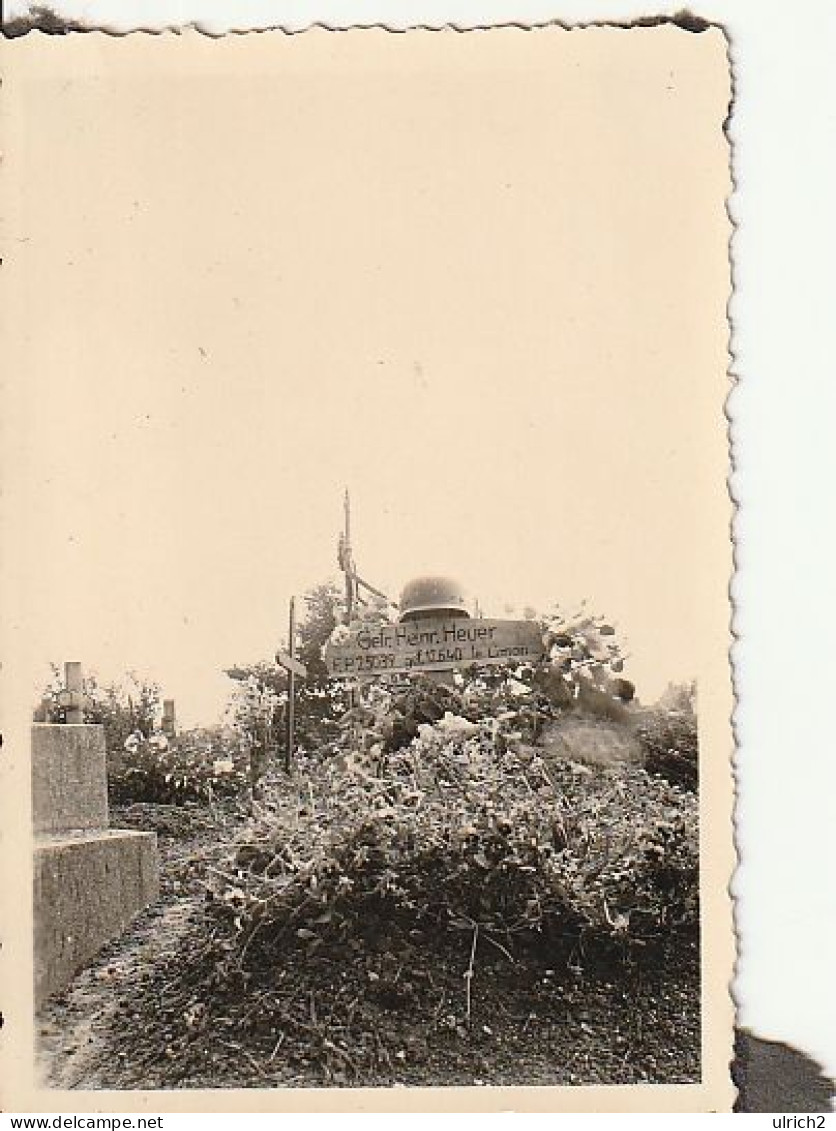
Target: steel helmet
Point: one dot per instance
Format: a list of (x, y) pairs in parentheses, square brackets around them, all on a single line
[(432, 596)]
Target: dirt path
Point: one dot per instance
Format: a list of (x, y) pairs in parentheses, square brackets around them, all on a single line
[(75, 1030)]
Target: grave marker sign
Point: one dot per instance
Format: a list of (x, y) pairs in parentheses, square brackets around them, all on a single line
[(434, 644)]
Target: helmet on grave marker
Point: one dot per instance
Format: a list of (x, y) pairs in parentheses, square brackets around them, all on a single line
[(432, 596)]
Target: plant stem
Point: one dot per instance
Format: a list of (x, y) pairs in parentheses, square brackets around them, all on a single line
[(468, 977)]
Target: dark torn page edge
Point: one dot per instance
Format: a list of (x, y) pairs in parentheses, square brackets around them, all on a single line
[(41, 17)]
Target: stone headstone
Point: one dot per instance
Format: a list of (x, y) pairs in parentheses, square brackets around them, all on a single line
[(89, 880)]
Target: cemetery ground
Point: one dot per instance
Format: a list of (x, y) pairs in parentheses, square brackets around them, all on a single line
[(381, 921)]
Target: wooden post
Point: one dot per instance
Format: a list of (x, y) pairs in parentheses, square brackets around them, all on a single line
[(73, 683), (291, 688), (348, 560)]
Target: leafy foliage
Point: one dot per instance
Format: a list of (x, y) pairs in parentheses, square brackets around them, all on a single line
[(669, 738), (122, 708), (324, 610), (454, 832), (258, 704), (585, 662), (437, 809), (256, 710), (198, 765)]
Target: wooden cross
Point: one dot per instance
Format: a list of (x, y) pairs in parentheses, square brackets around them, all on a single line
[(72, 697), (294, 668)]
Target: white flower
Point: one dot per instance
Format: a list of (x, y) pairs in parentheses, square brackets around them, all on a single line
[(455, 724), (340, 635)]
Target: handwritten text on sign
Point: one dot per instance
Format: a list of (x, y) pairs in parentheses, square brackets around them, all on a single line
[(434, 645)]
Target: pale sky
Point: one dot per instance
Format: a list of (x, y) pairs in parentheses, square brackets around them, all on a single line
[(472, 290)]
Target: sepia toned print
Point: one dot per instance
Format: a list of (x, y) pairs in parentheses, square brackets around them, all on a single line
[(377, 433)]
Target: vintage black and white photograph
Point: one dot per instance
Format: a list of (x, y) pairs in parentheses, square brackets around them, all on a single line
[(377, 648)]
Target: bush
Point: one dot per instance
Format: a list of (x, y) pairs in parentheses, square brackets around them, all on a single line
[(194, 766), (121, 708), (453, 833), (669, 739)]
